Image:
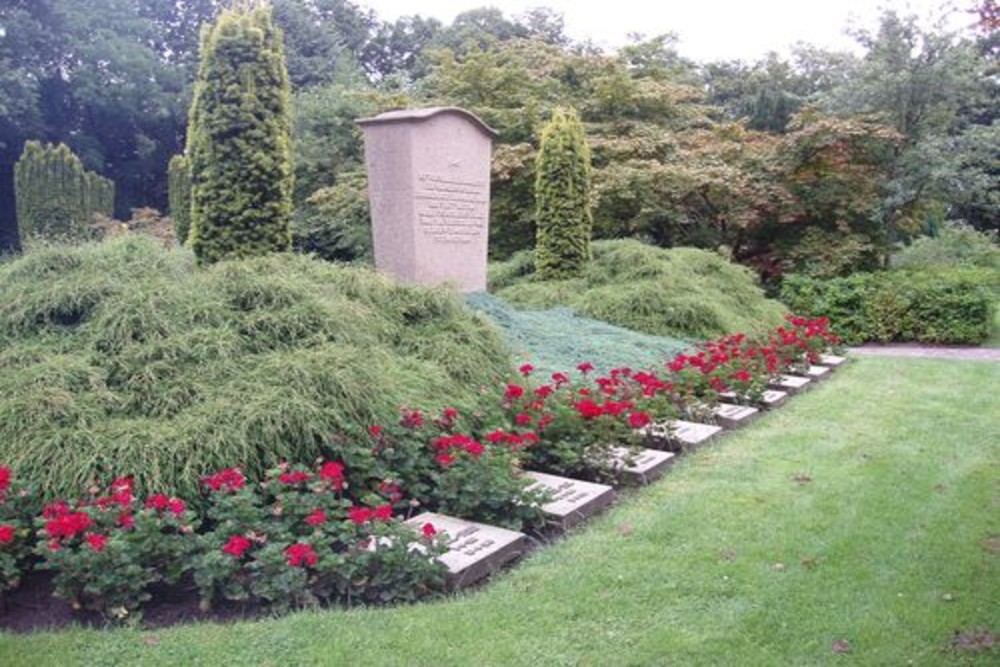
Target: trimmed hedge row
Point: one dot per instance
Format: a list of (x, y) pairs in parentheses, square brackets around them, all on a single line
[(953, 305)]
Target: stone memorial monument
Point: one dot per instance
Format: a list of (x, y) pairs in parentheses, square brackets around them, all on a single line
[(429, 188)]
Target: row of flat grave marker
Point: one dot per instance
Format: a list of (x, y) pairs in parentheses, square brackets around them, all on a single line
[(641, 467), (476, 550), (770, 399), (730, 416), (573, 500), (790, 384)]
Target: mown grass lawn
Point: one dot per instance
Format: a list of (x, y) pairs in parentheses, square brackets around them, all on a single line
[(861, 513)]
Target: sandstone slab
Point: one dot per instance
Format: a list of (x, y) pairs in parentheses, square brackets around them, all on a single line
[(831, 360), (573, 500), (429, 188), (791, 384), (646, 466), (475, 550), (730, 415)]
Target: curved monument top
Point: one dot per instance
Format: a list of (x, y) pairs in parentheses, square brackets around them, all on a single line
[(414, 115)]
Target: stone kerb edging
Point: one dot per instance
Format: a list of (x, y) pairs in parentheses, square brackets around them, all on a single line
[(477, 550)]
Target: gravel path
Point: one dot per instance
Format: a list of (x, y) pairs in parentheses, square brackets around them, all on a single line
[(927, 351)]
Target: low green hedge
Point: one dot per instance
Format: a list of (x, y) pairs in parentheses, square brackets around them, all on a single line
[(940, 305)]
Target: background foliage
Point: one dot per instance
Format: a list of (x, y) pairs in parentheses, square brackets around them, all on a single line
[(239, 140), (56, 196)]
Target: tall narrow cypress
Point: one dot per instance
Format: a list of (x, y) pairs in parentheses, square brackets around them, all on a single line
[(562, 199), (239, 139), (55, 196), (179, 194)]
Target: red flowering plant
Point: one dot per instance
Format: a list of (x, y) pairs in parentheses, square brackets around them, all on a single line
[(432, 462), (803, 340), (298, 538), (17, 505), (107, 550), (575, 427), (728, 364)]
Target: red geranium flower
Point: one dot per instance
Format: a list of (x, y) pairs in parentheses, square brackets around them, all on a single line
[(544, 391), (526, 369), (588, 409), (236, 546), (382, 513), (585, 367), (560, 379), (6, 533), (299, 555), (428, 530), (375, 431), (97, 542), (513, 392), (741, 375), (333, 472), (360, 515), (176, 505), (316, 517), (295, 477), (412, 419), (496, 436), (5, 477), (639, 419), (125, 520), (444, 460), (523, 419), (56, 509), (157, 502), (68, 525), (230, 479)]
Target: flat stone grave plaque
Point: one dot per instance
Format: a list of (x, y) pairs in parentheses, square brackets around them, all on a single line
[(771, 398), (831, 360), (474, 549), (731, 416), (647, 465), (686, 435), (573, 500), (677, 435), (817, 372), (792, 384)]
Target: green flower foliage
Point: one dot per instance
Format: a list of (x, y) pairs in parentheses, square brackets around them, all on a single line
[(239, 140), (56, 196), (179, 189), (562, 199)]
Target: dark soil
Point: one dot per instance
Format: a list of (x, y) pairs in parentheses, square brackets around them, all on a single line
[(32, 606)]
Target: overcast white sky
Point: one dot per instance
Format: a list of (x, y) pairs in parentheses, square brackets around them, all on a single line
[(708, 29)]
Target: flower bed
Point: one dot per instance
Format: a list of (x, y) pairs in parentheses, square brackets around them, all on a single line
[(335, 531)]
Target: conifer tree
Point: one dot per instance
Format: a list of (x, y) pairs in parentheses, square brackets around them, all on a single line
[(239, 139), (55, 196), (179, 194), (562, 199)]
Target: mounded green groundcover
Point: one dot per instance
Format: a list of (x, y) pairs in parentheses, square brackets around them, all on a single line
[(682, 293), (122, 356)]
